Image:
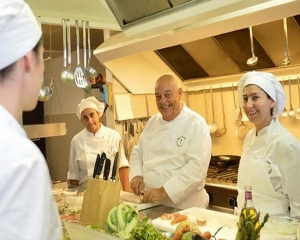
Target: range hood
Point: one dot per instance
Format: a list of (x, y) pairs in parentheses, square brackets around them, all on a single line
[(213, 49), (145, 18)]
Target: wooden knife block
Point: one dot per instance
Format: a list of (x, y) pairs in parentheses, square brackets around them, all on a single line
[(99, 198)]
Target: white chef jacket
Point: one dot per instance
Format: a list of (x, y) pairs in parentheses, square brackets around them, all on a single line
[(280, 152), (27, 206), (175, 155), (84, 149)]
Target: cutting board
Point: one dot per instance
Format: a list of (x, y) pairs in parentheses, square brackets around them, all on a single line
[(134, 200), (79, 232), (214, 220)]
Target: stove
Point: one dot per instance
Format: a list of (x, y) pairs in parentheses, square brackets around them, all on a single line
[(221, 187)]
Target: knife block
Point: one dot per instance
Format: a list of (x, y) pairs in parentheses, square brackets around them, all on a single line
[(99, 198)]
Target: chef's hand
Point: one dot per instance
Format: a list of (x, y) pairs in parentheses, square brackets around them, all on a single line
[(137, 185), (153, 195)]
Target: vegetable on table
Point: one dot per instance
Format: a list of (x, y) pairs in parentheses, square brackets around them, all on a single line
[(121, 220)]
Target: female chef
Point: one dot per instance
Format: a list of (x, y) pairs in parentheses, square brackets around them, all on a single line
[(270, 161), (94, 139)]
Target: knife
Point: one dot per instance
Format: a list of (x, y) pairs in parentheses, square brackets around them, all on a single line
[(106, 169), (100, 166), (96, 166), (114, 170)]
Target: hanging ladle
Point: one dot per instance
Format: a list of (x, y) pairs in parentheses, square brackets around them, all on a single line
[(212, 126), (66, 75), (90, 71), (46, 91), (291, 111), (298, 109), (253, 60), (287, 60), (284, 113)]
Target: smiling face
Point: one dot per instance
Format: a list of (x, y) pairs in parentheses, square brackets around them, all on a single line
[(168, 95), (257, 106), (91, 120)]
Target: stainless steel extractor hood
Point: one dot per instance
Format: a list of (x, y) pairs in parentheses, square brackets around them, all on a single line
[(150, 17)]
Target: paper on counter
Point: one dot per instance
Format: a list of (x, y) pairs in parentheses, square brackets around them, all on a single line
[(123, 107)]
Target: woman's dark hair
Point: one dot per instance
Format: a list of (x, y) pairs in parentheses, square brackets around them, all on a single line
[(272, 109), (5, 71)]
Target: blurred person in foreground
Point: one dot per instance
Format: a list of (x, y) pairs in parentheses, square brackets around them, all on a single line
[(270, 162), (27, 206), (169, 164), (94, 139)]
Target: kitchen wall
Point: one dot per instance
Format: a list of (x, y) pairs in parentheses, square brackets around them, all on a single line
[(62, 107)]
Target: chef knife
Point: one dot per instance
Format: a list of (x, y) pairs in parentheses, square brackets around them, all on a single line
[(106, 169), (114, 170), (96, 166), (100, 166)]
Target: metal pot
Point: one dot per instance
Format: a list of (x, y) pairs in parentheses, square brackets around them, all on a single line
[(223, 161)]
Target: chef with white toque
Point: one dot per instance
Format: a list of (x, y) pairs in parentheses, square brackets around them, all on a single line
[(94, 139), (270, 162)]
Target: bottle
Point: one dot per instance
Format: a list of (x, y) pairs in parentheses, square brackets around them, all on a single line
[(249, 208)]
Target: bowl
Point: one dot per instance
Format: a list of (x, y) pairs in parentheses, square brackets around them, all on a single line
[(284, 225)]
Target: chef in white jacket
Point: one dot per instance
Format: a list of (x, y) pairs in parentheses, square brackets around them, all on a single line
[(27, 206), (170, 161), (94, 139), (270, 162)]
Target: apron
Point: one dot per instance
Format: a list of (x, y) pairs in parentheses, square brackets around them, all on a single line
[(256, 170)]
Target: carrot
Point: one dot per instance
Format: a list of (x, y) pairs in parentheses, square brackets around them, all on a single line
[(207, 235), (186, 228), (177, 235), (176, 214), (179, 219)]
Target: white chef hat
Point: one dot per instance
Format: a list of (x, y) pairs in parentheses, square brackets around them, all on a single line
[(19, 31), (268, 83), (90, 102)]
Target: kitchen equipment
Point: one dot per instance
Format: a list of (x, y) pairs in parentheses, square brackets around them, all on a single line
[(100, 164), (291, 111), (114, 170), (87, 89), (284, 113), (242, 129), (213, 125), (298, 109), (47, 91), (214, 220), (90, 71), (205, 105), (106, 169), (287, 60), (66, 76), (235, 111), (253, 60), (71, 74), (284, 224), (221, 131), (79, 232), (224, 161), (96, 167), (78, 74)]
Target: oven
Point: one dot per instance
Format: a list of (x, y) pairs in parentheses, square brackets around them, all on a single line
[(221, 183)]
